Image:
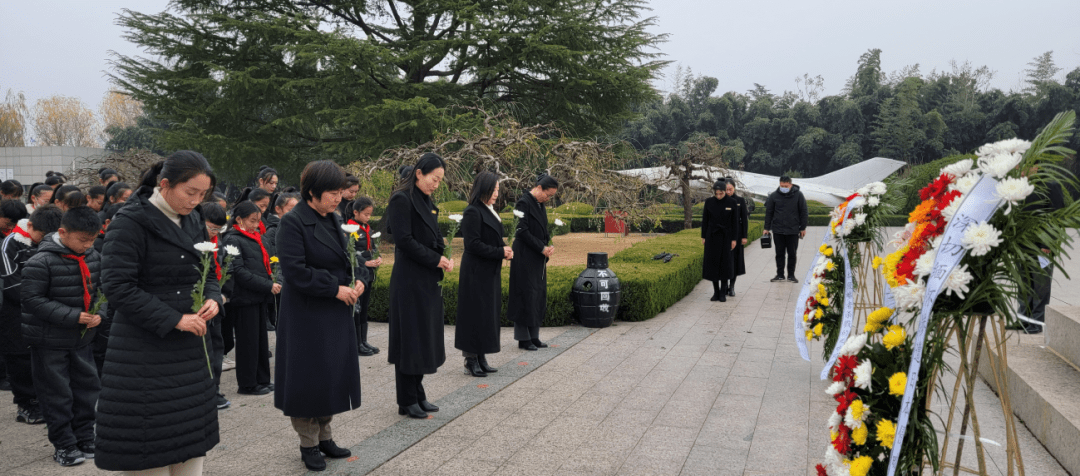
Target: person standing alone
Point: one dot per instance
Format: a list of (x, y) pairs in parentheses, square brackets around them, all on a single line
[(785, 219)]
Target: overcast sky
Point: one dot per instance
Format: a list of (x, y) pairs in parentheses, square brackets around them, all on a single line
[(61, 46)]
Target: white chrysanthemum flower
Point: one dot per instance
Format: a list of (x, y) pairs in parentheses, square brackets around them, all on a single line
[(857, 202), (1013, 146), (873, 201), (981, 238), (836, 419), (909, 295), (862, 375), (821, 266), (559, 222), (863, 191), (999, 165), (958, 281), (958, 169), (853, 345), (878, 188), (350, 229), (376, 235), (925, 263), (966, 183), (950, 211), (456, 218), (833, 457), (935, 243), (849, 226), (1013, 191), (860, 219), (835, 389), (232, 250), (206, 247), (519, 213)]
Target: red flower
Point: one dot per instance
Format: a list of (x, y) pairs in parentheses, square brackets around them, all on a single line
[(844, 400), (936, 188), (842, 443), (947, 199), (845, 368), (821, 470)]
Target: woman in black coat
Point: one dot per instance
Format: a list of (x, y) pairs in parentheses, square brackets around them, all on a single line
[(157, 404), (739, 263), (719, 234), (416, 305), (528, 274), (480, 284), (317, 372), (252, 296)]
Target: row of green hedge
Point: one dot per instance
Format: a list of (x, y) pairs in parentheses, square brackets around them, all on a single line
[(648, 286)]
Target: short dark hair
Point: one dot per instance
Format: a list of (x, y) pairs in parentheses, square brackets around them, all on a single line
[(284, 197), (80, 220), (105, 173), (785, 179), (178, 168), (115, 190), (39, 189), (482, 188), (546, 181), (243, 209), (62, 192), (74, 200), (13, 209), (96, 191), (319, 177), (11, 187), (46, 218), (54, 180), (213, 213)]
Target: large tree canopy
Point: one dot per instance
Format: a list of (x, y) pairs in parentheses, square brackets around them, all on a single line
[(284, 81)]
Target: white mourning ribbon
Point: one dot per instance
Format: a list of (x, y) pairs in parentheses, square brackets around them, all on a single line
[(800, 305), (978, 206), (890, 301), (849, 315)]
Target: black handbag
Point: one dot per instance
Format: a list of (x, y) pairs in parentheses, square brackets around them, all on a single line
[(766, 241)]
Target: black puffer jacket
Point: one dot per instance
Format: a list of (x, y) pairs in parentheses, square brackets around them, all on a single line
[(272, 222), (15, 251), (251, 284), (157, 404), (52, 296), (786, 213)]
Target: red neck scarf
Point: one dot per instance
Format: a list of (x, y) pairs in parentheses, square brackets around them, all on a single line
[(367, 231), (217, 264), (19, 230), (258, 239), (84, 273), (262, 229)]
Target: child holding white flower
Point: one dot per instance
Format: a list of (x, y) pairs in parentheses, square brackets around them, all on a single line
[(360, 211), (214, 217), (252, 295)]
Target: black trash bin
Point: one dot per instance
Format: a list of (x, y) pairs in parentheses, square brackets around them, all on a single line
[(596, 293)]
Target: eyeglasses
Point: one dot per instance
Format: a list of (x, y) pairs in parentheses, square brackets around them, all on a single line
[(214, 229)]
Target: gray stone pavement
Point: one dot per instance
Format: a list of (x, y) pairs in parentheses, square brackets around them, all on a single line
[(703, 388)]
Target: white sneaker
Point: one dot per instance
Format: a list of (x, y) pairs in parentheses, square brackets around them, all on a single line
[(227, 364)]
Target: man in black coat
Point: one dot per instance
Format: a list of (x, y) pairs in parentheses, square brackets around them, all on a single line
[(527, 304), (1033, 305), (786, 216)]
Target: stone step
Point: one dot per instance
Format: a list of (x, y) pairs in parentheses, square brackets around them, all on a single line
[(1045, 394), (1063, 332)]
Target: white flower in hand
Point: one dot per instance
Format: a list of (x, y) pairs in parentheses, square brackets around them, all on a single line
[(958, 281), (376, 235), (350, 229), (981, 238), (519, 213), (232, 250), (206, 247), (559, 222), (456, 218), (1013, 191)]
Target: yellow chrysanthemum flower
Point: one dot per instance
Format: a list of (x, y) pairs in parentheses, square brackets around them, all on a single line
[(818, 313), (879, 316), (356, 236), (857, 408), (877, 262), (818, 329), (822, 248), (829, 266), (809, 335), (895, 337), (861, 466), (871, 327), (821, 288), (897, 384), (886, 433), (833, 434), (859, 435), (824, 301), (828, 252), (274, 259)]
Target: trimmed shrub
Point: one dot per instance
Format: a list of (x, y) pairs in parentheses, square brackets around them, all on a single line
[(574, 208), (453, 206)]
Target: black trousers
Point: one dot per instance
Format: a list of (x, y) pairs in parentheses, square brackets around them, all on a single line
[(360, 315), (67, 385), (526, 333), (217, 348), (252, 345), (228, 324), (20, 374), (788, 244), (1034, 305), (410, 388)]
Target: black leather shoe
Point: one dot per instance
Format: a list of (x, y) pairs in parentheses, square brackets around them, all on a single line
[(538, 344), (472, 367), (482, 360), (428, 406), (374, 350), (715, 297), (312, 458), (364, 351), (524, 344), (256, 390), (731, 292), (331, 449), (413, 411), (722, 298)]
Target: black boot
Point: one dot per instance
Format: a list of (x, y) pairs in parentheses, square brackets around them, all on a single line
[(428, 406), (331, 449), (715, 291), (473, 367), (538, 344), (527, 345), (731, 288), (312, 458), (482, 360), (413, 411), (364, 350)]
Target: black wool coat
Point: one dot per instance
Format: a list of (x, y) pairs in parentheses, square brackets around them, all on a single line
[(53, 296), (416, 304), (251, 284), (273, 222), (719, 227), (480, 284), (158, 401), (15, 251), (737, 254), (527, 304), (316, 370)]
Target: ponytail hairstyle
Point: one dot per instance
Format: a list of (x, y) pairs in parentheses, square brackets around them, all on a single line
[(243, 209), (13, 188), (54, 180), (213, 213), (283, 199), (404, 172), (107, 175), (546, 182), (61, 192), (115, 191), (216, 197), (265, 173), (719, 184), (253, 194), (73, 199), (178, 168), (427, 163), (359, 205), (482, 188), (36, 190)]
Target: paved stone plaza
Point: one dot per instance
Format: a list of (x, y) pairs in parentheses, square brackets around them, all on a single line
[(703, 388)]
